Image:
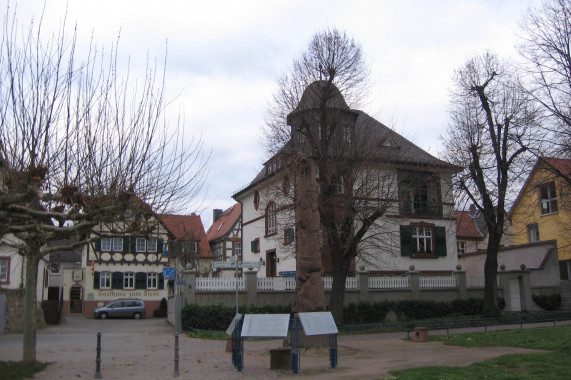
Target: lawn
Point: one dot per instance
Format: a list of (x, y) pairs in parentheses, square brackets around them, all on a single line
[(553, 364), (19, 370)]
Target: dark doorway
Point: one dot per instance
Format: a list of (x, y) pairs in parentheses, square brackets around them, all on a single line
[(271, 267), (75, 299)]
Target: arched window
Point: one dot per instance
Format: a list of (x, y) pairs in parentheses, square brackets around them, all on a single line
[(271, 219)]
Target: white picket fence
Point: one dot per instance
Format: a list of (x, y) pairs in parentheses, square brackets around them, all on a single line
[(219, 283), (432, 282), (288, 283), (388, 282)]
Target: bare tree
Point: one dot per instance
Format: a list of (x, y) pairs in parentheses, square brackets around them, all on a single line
[(546, 47), (82, 145), (310, 121), (492, 121)]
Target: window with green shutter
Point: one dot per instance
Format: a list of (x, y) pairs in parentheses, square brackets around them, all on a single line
[(140, 280), (117, 280), (96, 280), (405, 240), (440, 241)]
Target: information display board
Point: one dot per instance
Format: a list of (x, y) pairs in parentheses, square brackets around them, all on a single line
[(265, 325), (232, 327), (318, 323)]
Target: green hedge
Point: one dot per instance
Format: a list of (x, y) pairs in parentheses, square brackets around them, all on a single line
[(218, 318)]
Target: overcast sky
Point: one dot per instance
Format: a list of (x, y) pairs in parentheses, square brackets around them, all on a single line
[(224, 58)]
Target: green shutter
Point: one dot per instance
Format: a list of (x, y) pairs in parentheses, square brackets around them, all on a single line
[(161, 281), (160, 246), (405, 240), (440, 241), (98, 245), (117, 280), (140, 280), (133, 244), (125, 245), (253, 246), (96, 280)]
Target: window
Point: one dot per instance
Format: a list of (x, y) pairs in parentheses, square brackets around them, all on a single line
[(288, 236), (461, 247), (118, 244), (271, 219), (152, 280), (255, 245), (141, 245), (548, 198), (152, 245), (105, 280), (419, 193), (423, 240), (533, 232), (129, 280), (237, 248), (106, 244), (4, 270), (256, 200)]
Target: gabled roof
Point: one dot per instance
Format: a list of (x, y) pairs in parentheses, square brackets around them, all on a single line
[(391, 148), (466, 226), (188, 227), (559, 167), (222, 226)]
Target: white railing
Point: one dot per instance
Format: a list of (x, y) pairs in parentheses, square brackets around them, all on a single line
[(219, 283), (388, 282), (276, 283), (437, 282), (350, 283)]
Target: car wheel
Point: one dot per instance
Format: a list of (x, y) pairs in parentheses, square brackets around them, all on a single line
[(103, 316), (137, 316)]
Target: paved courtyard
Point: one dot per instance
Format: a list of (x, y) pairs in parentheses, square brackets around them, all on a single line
[(144, 349)]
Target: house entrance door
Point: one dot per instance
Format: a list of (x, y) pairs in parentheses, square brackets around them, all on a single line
[(75, 299), (515, 294), (271, 264)]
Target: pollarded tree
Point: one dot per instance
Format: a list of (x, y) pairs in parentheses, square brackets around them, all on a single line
[(493, 120), (312, 128), (81, 145), (546, 47)]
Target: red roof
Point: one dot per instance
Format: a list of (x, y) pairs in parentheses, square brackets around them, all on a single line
[(560, 164), (222, 225), (466, 225), (187, 227)]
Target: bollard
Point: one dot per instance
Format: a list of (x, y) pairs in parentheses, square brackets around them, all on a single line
[(98, 358), (176, 374), (333, 350)]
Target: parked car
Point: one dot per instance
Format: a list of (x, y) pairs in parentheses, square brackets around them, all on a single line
[(123, 308)]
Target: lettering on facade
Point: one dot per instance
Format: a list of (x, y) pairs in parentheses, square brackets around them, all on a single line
[(125, 294)]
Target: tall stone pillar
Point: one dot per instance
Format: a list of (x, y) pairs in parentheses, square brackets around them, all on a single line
[(363, 280), (251, 287), (309, 290), (461, 283), (414, 282), (188, 290)]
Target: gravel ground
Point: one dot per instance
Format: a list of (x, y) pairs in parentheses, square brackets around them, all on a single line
[(144, 349)]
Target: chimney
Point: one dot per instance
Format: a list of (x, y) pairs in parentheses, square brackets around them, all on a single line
[(216, 214)]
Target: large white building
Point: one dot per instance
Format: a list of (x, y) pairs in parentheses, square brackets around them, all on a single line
[(416, 229)]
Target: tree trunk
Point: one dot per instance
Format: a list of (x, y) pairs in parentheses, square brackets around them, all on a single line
[(490, 276), (337, 297), (30, 303)]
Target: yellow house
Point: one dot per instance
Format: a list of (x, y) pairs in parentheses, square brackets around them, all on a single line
[(542, 210)]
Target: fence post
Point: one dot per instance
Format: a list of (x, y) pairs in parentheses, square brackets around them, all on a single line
[(363, 281), (414, 282), (189, 287), (251, 287), (461, 282)]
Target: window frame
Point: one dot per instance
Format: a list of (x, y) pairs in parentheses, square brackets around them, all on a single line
[(271, 219), (137, 248), (5, 268), (117, 245), (533, 232), (106, 244), (425, 238), (152, 277), (152, 248), (105, 280), (129, 280), (237, 248), (548, 201), (460, 247), (255, 245)]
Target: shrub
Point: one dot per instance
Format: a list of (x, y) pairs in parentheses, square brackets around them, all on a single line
[(548, 302), (162, 310)]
